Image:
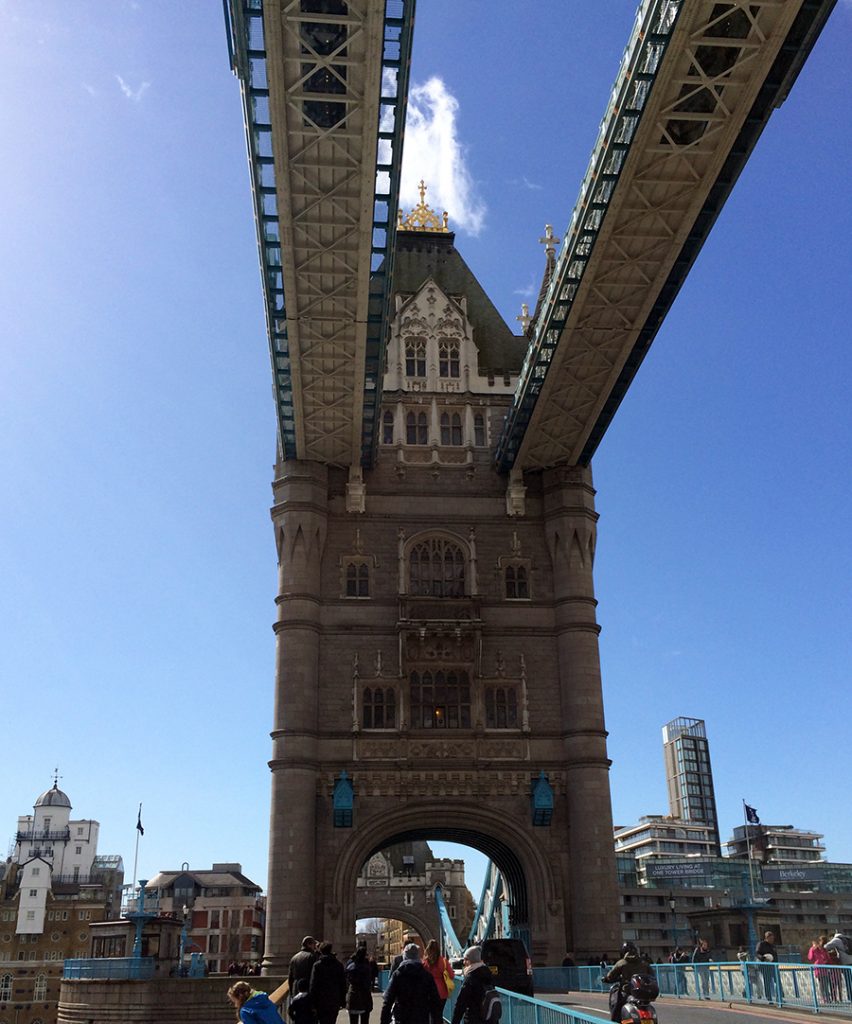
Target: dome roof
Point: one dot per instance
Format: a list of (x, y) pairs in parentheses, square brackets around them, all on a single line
[(53, 798)]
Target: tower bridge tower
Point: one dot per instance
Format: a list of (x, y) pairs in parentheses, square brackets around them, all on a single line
[(437, 647)]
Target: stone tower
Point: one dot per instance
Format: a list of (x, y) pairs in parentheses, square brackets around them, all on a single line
[(437, 648)]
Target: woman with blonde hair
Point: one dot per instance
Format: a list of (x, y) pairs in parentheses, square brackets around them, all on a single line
[(441, 970), (252, 1007)]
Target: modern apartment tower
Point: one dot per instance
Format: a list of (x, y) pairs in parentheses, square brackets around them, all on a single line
[(688, 774)]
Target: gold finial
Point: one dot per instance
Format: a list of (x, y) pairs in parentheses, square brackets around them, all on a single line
[(423, 217)]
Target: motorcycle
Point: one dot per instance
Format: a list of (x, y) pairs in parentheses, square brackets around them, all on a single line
[(636, 997)]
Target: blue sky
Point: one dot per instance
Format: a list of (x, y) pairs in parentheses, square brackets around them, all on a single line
[(137, 426)]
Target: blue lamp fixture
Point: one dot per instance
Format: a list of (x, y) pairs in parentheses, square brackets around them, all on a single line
[(343, 801), (542, 801)]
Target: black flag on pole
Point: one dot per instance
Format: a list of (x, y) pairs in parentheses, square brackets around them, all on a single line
[(751, 815), (139, 828)]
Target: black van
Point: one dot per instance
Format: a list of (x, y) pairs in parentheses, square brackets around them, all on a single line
[(509, 962)]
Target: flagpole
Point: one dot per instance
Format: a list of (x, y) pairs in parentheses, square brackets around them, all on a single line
[(748, 847), (136, 855)]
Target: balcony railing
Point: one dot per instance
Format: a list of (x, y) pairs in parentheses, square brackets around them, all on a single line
[(62, 835)]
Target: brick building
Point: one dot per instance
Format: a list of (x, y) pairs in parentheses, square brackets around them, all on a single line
[(225, 912)]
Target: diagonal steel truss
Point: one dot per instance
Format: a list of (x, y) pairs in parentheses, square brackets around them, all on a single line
[(697, 83)]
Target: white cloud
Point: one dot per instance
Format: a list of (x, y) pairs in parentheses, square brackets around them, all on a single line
[(90, 89), (132, 94), (433, 152)]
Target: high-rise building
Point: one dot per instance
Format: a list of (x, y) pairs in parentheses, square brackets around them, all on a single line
[(776, 845), (688, 774), (52, 889)]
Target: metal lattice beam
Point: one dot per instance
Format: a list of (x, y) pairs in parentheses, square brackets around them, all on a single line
[(696, 86)]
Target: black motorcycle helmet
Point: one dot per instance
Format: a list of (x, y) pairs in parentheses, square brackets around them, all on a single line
[(628, 947)]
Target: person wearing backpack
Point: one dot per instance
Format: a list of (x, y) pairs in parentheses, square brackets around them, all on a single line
[(478, 1001), (842, 946)]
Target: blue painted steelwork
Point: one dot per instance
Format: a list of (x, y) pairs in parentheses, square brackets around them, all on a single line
[(818, 989), (247, 52), (518, 1009), (542, 801), (343, 801), (118, 968), (655, 22), (451, 943)]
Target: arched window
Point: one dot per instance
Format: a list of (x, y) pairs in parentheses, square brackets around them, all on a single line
[(517, 586), (5, 988), (440, 700), (436, 568), (448, 358), (40, 988), (416, 428), (501, 707), (479, 430), (357, 579), (415, 358), (387, 427), (378, 708), (451, 428)]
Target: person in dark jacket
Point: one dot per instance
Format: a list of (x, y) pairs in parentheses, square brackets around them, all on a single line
[(477, 978), (301, 1009), (253, 1007), (327, 987), (359, 987), (302, 964), (411, 996), (702, 955), (621, 972)]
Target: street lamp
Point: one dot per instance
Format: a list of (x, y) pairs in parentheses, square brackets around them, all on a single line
[(672, 908), (185, 911)]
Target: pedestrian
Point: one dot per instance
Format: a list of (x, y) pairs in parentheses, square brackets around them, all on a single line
[(327, 987), (301, 1009), (568, 960), (374, 971), (620, 974), (842, 947), (478, 982), (702, 955), (411, 996), (818, 955), (767, 953), (359, 987), (302, 964), (252, 1006), (441, 970)]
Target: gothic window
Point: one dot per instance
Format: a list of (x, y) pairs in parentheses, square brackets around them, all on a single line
[(436, 569), (387, 427), (440, 700), (501, 707), (378, 708), (517, 584), (40, 988), (357, 579), (448, 358), (416, 428), (479, 430), (415, 358), (5, 988), (451, 428)]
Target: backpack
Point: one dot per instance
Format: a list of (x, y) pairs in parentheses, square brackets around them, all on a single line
[(490, 1007), (847, 944)]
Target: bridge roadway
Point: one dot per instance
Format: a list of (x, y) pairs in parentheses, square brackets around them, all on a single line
[(681, 1011)]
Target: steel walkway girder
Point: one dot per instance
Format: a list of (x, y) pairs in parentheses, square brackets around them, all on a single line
[(618, 257)]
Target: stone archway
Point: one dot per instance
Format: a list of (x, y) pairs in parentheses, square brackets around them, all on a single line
[(527, 873), (417, 922)]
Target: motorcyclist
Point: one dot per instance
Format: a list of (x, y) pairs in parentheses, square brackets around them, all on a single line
[(621, 972)]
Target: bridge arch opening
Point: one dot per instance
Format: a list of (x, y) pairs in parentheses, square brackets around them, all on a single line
[(527, 876)]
